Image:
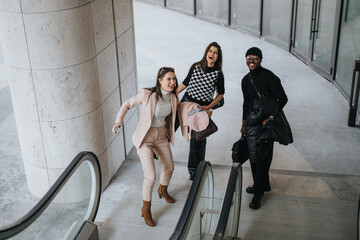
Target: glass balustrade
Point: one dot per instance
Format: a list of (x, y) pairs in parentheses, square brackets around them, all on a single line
[(201, 223), (61, 213), (277, 20), (160, 2), (186, 6), (201, 218), (349, 47), (213, 10), (233, 218), (243, 18), (358, 222)]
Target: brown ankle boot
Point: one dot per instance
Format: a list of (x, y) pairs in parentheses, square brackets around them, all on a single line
[(162, 191), (146, 213)]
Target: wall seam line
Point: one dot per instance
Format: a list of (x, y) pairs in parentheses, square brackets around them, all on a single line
[(117, 67), (36, 100)]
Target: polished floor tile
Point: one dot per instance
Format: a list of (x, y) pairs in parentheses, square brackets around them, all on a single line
[(315, 181)]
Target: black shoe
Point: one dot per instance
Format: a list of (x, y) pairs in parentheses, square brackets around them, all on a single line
[(255, 203), (192, 172), (250, 189)]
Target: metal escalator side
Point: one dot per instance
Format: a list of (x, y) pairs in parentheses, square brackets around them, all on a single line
[(229, 218), (200, 196), (358, 222), (34, 225)]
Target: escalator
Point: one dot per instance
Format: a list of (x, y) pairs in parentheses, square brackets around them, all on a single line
[(358, 221), (201, 219), (54, 216), (201, 196), (199, 216), (228, 224)]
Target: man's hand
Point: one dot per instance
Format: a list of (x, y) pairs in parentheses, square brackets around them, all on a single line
[(243, 127)]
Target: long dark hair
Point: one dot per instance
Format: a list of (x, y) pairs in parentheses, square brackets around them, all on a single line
[(203, 61), (161, 73)]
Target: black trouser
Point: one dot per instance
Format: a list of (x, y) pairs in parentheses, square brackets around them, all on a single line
[(196, 154), (260, 170)]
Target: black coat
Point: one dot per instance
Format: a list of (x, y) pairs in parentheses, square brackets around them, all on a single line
[(268, 84)]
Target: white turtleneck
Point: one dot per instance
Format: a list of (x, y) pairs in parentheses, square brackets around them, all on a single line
[(162, 110)]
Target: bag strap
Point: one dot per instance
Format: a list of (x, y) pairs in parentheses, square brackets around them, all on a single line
[(260, 96), (252, 82)]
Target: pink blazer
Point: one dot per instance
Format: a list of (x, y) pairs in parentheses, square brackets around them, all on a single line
[(148, 102), (183, 117)]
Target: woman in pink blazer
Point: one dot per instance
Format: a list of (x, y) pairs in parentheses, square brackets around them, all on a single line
[(152, 134)]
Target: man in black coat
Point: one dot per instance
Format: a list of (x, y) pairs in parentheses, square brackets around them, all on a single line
[(268, 84)]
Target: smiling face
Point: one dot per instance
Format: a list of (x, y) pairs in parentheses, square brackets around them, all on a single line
[(253, 61), (212, 56), (168, 82)]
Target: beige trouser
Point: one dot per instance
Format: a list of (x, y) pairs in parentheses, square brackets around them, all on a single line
[(155, 141)]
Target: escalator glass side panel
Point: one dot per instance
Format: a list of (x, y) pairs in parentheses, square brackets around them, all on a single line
[(230, 212), (234, 213), (61, 213), (358, 222), (200, 196), (201, 223)]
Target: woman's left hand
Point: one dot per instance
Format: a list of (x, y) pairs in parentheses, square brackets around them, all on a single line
[(115, 127), (208, 111)]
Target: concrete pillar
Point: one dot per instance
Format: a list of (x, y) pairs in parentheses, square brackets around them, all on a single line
[(70, 64)]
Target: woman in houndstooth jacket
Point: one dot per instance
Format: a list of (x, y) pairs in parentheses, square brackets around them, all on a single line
[(205, 77)]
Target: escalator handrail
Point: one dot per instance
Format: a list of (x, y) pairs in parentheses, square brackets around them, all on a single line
[(189, 204), (228, 201), (358, 222), (40, 207)]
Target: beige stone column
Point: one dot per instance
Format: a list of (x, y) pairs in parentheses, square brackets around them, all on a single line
[(70, 64)]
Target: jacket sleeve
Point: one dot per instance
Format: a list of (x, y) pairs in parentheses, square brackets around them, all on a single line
[(246, 99), (221, 84), (132, 102), (187, 79), (278, 92)]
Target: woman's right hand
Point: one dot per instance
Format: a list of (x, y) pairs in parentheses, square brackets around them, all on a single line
[(180, 88), (209, 112), (115, 127)]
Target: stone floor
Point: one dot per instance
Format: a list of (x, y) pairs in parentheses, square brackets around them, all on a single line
[(315, 181)]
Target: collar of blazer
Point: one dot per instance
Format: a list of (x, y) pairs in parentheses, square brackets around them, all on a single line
[(151, 99)]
